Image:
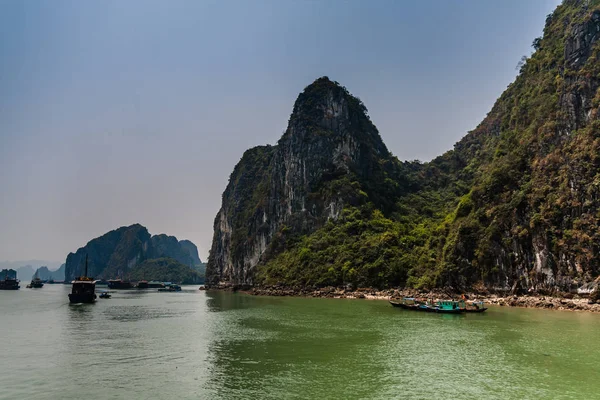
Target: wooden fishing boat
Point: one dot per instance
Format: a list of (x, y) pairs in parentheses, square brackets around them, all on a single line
[(475, 307), (450, 307), (441, 307), (410, 303)]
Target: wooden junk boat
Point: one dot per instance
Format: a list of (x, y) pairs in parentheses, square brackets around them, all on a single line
[(84, 288), (9, 283)]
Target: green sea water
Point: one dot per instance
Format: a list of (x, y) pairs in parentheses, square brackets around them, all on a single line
[(218, 345)]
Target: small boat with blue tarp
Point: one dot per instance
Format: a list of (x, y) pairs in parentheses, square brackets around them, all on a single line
[(441, 306), (450, 307)]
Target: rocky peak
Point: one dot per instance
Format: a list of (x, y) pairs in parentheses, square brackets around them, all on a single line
[(330, 155), (325, 109)]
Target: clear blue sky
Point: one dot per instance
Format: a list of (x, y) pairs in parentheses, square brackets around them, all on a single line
[(116, 112)]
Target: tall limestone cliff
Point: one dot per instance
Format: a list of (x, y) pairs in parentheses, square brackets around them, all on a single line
[(329, 151), (514, 206), (192, 250), (531, 218), (117, 252)]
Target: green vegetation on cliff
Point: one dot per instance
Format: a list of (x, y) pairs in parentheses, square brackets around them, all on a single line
[(165, 270)]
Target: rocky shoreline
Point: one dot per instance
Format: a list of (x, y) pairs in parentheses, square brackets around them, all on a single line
[(569, 302)]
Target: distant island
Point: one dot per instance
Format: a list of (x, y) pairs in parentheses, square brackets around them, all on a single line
[(25, 270), (131, 253), (46, 275)]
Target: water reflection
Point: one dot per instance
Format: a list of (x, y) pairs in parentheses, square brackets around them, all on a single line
[(265, 351), (218, 301)]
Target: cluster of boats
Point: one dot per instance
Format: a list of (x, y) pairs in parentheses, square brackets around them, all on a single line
[(83, 288), (10, 283), (440, 306)]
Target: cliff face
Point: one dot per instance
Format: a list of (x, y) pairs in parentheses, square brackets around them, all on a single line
[(169, 246), (299, 184), (117, 252), (514, 206), (533, 217), (192, 251)]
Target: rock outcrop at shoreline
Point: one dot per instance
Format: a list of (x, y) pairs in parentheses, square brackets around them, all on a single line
[(570, 303)]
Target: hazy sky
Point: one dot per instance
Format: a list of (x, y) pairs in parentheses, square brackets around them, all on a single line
[(116, 112)]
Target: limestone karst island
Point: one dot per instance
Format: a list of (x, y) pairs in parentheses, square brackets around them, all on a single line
[(197, 203)]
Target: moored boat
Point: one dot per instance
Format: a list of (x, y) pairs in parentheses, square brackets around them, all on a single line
[(170, 288), (142, 285), (475, 307), (104, 295), (442, 306), (36, 282), (410, 303), (119, 284), (83, 289), (9, 284), (450, 307)]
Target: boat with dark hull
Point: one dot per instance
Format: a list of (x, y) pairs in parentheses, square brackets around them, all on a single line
[(150, 285), (119, 284), (9, 284), (142, 285), (36, 282), (83, 289), (440, 307), (171, 287)]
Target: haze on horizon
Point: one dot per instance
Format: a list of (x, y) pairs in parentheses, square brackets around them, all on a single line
[(113, 112)]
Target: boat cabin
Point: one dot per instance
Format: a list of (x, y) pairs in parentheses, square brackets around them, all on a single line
[(83, 285), (450, 305)]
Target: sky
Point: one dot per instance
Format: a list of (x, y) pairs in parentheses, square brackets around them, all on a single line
[(121, 112)]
